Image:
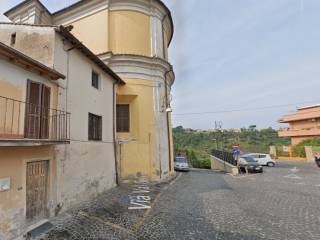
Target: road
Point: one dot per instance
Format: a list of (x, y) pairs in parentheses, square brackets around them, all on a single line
[(282, 203)]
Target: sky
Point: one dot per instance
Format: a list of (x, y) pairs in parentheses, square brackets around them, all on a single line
[(240, 63)]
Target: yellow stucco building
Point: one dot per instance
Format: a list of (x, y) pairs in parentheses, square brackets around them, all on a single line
[(132, 37)]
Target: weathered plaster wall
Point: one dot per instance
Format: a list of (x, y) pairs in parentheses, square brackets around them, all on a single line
[(85, 168), (130, 33), (13, 162), (35, 42)]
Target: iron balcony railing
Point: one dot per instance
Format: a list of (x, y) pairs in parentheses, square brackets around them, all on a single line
[(224, 156), (26, 121)]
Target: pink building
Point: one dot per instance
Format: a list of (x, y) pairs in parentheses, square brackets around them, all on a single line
[(304, 124)]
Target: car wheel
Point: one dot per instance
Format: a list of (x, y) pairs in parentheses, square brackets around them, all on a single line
[(270, 164)]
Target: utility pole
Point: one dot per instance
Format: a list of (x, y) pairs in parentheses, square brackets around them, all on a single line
[(216, 141)]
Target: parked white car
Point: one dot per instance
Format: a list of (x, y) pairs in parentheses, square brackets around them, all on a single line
[(181, 164), (263, 159)]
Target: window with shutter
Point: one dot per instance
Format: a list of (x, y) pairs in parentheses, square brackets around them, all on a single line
[(123, 118), (95, 127)]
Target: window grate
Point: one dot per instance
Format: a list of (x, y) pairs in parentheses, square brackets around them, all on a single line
[(95, 127)]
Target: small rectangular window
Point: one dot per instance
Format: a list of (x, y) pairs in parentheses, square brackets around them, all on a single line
[(95, 127), (95, 80), (123, 118), (13, 38)]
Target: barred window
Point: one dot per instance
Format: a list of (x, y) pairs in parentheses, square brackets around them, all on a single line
[(123, 118), (95, 127)]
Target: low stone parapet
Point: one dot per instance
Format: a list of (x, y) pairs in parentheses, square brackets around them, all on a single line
[(220, 165)]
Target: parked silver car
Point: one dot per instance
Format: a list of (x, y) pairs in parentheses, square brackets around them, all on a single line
[(181, 164)]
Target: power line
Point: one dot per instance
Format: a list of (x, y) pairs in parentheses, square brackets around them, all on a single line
[(243, 109)]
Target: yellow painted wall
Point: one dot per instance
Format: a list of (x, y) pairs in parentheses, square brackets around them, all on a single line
[(10, 113), (137, 155), (130, 33), (9, 90), (13, 162), (93, 31), (12, 120)]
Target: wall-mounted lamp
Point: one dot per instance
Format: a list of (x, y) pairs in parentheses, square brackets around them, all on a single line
[(169, 110)]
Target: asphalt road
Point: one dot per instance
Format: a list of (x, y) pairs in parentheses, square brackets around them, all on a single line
[(282, 203)]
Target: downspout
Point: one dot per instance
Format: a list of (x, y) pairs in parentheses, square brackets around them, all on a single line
[(68, 73), (167, 116), (114, 134)]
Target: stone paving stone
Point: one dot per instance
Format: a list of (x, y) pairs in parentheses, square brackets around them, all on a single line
[(205, 205), (105, 217)]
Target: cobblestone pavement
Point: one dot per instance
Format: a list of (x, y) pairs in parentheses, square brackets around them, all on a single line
[(282, 203)]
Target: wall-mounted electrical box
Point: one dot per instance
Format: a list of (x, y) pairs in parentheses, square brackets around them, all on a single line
[(5, 184)]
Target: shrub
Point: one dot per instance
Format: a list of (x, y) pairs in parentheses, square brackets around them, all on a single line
[(281, 153), (204, 163), (298, 151)]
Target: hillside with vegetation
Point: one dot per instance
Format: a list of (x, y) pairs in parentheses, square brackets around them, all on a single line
[(196, 145)]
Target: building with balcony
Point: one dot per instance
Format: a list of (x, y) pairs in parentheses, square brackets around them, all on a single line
[(305, 124), (30, 126), (132, 37), (57, 127)]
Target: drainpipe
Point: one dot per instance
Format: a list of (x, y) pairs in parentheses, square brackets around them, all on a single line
[(59, 205), (167, 116), (114, 134)]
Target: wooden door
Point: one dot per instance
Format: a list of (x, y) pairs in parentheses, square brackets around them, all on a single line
[(32, 116), (37, 190)]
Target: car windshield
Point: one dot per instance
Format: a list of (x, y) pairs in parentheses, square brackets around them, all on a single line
[(181, 160)]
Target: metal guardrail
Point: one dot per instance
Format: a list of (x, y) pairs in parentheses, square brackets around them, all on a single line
[(23, 120), (224, 156)]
